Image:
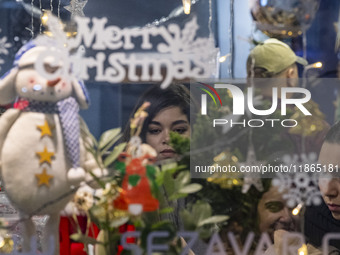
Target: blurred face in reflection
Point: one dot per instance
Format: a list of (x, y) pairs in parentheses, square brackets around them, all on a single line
[(158, 132), (330, 187), (274, 214)]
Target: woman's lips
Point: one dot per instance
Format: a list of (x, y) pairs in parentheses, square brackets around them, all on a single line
[(334, 208), (168, 153)]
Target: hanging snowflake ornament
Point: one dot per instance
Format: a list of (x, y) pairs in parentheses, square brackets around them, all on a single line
[(4, 45), (3, 48), (76, 8), (300, 186)]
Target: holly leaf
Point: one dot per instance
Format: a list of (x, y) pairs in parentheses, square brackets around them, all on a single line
[(134, 179), (151, 172), (120, 166)]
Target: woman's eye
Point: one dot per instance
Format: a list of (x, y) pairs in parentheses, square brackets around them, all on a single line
[(180, 130), (154, 131), (274, 206)]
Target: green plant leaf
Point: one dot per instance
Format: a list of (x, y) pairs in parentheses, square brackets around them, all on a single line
[(180, 143), (114, 154), (176, 196), (213, 220), (188, 221), (169, 183), (100, 182), (182, 179), (107, 137), (191, 188), (118, 222), (83, 239), (134, 179), (201, 211), (104, 150), (169, 166), (166, 210)]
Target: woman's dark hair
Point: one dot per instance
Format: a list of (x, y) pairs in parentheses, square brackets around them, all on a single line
[(174, 95)]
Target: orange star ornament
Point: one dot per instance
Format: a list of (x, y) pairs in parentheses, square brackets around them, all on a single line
[(44, 178)]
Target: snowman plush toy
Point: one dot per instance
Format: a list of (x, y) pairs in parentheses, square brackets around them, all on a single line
[(42, 154)]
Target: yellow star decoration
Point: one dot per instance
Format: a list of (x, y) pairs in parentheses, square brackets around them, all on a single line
[(44, 178), (45, 129), (45, 156)]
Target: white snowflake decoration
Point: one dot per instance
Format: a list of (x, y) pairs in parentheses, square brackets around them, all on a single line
[(3, 48), (4, 45), (299, 186)]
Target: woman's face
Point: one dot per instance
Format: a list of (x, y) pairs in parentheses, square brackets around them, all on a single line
[(158, 131), (274, 214), (330, 187)]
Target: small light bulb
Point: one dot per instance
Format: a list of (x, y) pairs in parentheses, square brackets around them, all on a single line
[(303, 250), (44, 18), (222, 59), (317, 65), (186, 6), (297, 209)]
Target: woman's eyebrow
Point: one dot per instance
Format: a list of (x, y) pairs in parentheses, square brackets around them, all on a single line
[(180, 122), (155, 123)]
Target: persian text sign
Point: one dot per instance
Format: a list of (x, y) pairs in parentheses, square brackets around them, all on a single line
[(180, 54)]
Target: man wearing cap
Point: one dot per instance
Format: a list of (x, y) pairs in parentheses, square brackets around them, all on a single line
[(273, 59)]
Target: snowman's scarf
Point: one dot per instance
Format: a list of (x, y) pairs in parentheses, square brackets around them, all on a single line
[(67, 110)]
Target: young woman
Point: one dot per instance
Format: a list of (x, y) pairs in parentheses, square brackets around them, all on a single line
[(169, 111)]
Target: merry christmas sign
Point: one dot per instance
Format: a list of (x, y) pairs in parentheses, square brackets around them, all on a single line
[(165, 52)]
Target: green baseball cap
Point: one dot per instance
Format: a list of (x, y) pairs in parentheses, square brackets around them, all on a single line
[(274, 56)]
